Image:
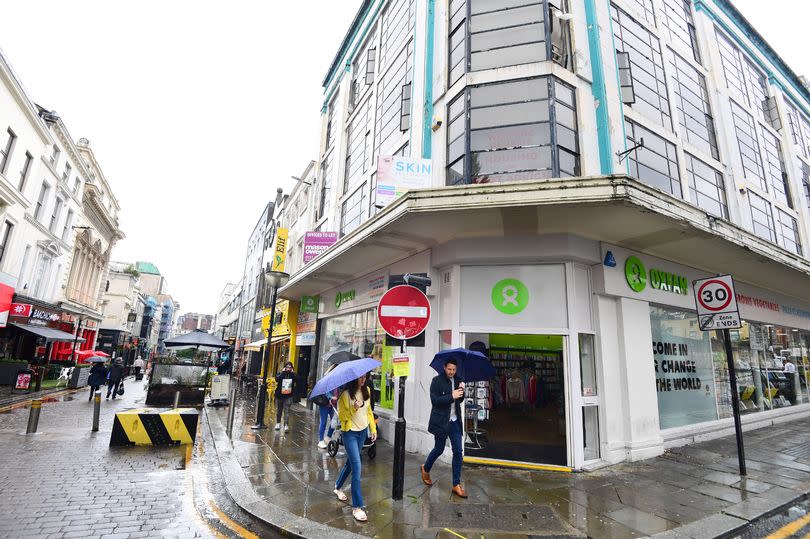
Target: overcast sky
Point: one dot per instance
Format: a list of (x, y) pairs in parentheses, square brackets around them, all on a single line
[(199, 110)]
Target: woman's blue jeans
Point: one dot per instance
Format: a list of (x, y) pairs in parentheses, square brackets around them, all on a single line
[(353, 441), (326, 415)]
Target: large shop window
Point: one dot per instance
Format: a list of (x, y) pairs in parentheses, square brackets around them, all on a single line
[(360, 334), (520, 130), (692, 380), (502, 33)]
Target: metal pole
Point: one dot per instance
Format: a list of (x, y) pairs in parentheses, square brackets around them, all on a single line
[(398, 483), (96, 409), (33, 416), (263, 387), (735, 401), (231, 411), (176, 404)]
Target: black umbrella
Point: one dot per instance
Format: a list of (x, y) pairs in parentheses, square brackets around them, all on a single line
[(97, 359), (196, 338), (341, 356)]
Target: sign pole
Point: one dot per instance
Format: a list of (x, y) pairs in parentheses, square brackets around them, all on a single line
[(398, 485), (735, 401)]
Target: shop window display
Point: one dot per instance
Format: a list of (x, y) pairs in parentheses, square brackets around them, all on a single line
[(361, 334)]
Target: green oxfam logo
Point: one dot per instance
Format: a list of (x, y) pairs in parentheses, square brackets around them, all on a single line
[(635, 273), (510, 296)]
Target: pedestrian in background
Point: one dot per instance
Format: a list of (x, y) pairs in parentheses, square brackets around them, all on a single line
[(114, 377), (96, 378), (326, 409), (137, 365), (285, 389), (356, 419), (446, 394)]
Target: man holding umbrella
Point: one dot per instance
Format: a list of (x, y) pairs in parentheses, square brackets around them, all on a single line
[(446, 395)]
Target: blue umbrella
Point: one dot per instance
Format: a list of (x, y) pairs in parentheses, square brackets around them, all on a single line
[(343, 374), (472, 366)]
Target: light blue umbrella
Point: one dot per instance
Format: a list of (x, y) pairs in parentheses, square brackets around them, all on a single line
[(343, 374)]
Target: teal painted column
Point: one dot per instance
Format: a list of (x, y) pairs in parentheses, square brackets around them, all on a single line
[(598, 90), (427, 121)]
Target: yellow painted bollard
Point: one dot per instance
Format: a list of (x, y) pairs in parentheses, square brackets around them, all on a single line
[(33, 416)]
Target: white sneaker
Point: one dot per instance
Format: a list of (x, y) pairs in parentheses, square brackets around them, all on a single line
[(286, 428), (278, 427), (322, 444)]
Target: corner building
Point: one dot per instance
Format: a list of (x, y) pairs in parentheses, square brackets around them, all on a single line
[(589, 160)]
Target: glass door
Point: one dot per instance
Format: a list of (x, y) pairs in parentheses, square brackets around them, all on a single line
[(590, 397)]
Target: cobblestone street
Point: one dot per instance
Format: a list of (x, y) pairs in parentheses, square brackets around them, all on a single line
[(65, 481)]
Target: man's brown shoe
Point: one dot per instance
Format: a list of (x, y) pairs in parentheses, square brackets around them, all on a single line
[(458, 491), (426, 477)]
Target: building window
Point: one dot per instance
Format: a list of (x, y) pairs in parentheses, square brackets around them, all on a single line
[(799, 129), (761, 216), (68, 224), (25, 171), (805, 181), (43, 195), (352, 212), (5, 239), (54, 156), (326, 185), (647, 66), (788, 232), (775, 169), (330, 125), (57, 209), (706, 187), (397, 27), (356, 135), (679, 25), (389, 101), (371, 61), (405, 108), (5, 150), (520, 130), (692, 103), (732, 64), (655, 163), (66, 173), (76, 184), (749, 148), (506, 36), (757, 91), (457, 59)]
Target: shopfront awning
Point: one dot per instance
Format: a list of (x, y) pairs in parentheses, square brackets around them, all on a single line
[(255, 346), (617, 209), (49, 334)]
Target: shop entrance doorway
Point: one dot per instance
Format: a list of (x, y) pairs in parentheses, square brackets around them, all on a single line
[(518, 415)]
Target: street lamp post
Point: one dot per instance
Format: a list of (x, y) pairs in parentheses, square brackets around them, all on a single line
[(275, 280)]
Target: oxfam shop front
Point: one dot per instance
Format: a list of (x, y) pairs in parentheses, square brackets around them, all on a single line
[(534, 323)]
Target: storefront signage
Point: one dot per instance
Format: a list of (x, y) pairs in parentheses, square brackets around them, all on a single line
[(306, 322), (305, 339), (23, 380), (39, 314), (316, 243), (637, 278), (310, 304), (397, 175), (280, 252), (22, 310), (343, 297), (510, 296)]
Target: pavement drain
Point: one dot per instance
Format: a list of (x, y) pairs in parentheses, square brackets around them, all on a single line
[(535, 520), (801, 451)]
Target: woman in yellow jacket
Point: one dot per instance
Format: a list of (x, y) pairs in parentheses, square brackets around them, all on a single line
[(356, 418)]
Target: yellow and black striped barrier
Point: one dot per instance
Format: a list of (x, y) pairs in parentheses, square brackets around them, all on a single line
[(155, 426)]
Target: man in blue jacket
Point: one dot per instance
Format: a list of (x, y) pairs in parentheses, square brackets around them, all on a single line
[(446, 394)]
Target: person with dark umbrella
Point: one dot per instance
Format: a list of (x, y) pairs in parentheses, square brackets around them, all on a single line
[(446, 394), (285, 389)]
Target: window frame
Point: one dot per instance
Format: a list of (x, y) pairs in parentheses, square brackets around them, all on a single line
[(26, 170), (5, 152), (41, 200), (5, 239)]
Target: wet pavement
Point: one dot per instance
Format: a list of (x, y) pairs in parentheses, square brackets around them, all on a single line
[(65, 481), (792, 522), (689, 492)]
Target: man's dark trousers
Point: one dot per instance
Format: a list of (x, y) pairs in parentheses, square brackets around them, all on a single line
[(454, 433)]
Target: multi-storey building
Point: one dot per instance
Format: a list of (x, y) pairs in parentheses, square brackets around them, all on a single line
[(582, 163), (123, 306)]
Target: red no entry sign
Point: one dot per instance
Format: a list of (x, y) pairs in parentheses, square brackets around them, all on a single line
[(403, 312)]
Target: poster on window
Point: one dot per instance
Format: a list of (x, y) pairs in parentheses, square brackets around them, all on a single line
[(684, 374), (396, 175), (388, 378)]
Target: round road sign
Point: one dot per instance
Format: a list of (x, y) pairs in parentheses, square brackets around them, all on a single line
[(714, 295), (403, 312)]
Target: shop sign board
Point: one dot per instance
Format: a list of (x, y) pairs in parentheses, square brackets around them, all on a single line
[(305, 339), (401, 364), (23, 310), (404, 312), (397, 175), (280, 251), (716, 303), (23, 380), (310, 304), (316, 243)]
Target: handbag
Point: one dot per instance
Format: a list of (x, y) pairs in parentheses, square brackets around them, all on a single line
[(321, 400), (121, 389)]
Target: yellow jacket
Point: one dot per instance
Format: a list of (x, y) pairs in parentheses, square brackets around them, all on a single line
[(346, 411)]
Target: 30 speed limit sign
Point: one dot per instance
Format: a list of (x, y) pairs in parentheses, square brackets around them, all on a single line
[(716, 303)]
